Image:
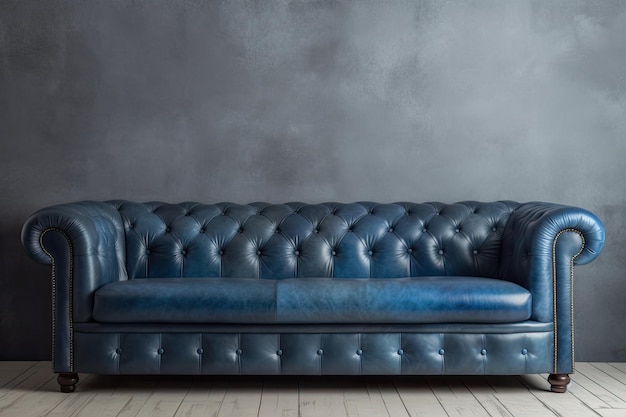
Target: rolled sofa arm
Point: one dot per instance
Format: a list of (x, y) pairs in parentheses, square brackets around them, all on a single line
[(541, 244), (84, 243)]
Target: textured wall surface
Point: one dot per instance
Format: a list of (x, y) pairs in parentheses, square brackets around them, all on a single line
[(283, 100)]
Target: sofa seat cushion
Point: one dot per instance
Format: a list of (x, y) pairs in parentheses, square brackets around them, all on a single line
[(313, 300), (186, 300), (403, 300)]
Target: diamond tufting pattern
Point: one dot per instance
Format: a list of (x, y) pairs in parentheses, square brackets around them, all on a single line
[(296, 240)]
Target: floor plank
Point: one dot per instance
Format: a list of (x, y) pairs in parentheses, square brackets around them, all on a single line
[(391, 398), (204, 398), (243, 398), (320, 397), (11, 370), (516, 395), (486, 396), (456, 398), (364, 400), (139, 389), (565, 404), (593, 394), (611, 371), (603, 379), (16, 397), (166, 398), (29, 389), (619, 365), (280, 397), (105, 406), (418, 398)]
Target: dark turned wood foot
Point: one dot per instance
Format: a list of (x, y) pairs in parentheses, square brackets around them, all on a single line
[(67, 381), (558, 382)]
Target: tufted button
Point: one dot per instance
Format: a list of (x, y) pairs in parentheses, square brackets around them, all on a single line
[(409, 250), (277, 230), (279, 352), (167, 229), (440, 252), (316, 230), (333, 253), (390, 230), (183, 252), (240, 230), (524, 351), (400, 352), (131, 226), (424, 230), (442, 352), (203, 230), (359, 352), (118, 351), (221, 252), (239, 351), (370, 253), (457, 230), (475, 252), (297, 253), (258, 253), (147, 251), (160, 351), (494, 228), (483, 352), (320, 352), (350, 230), (200, 351)]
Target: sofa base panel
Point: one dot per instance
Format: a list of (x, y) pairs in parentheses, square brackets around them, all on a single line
[(314, 353)]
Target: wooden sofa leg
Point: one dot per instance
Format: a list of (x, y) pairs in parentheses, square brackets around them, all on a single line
[(67, 381), (558, 382)]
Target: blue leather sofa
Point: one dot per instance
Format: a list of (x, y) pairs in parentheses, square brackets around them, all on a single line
[(313, 289)]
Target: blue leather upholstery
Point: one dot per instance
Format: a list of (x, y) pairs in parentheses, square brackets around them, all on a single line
[(312, 300), (187, 300), (326, 240), (314, 353), (363, 288)]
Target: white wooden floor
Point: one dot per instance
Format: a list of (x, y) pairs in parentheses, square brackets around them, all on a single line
[(30, 389)]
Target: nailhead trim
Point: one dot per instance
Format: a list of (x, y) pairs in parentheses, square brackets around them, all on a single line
[(54, 293), (554, 293)]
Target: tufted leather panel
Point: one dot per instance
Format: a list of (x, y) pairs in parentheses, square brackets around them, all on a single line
[(359, 240), (314, 353)]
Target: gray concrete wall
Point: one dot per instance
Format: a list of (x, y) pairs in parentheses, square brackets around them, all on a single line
[(312, 100)]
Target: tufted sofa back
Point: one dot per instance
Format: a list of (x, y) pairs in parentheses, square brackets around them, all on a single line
[(279, 241)]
